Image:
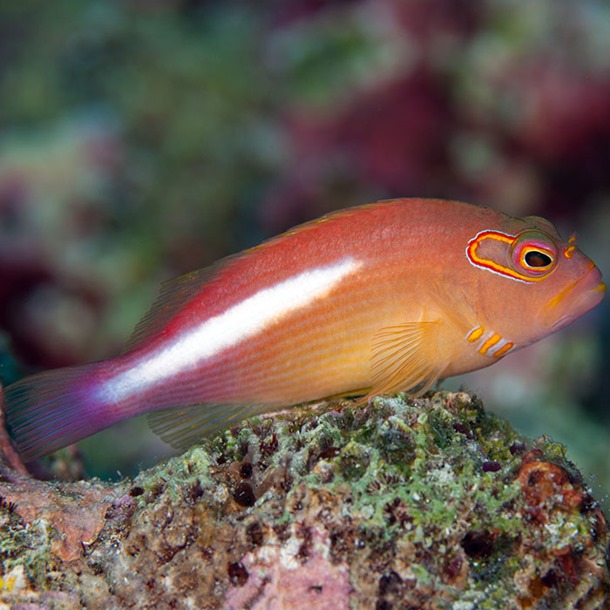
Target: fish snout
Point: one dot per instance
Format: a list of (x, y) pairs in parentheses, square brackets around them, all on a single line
[(577, 298)]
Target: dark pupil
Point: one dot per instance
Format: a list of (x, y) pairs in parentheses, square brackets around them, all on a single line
[(537, 259)]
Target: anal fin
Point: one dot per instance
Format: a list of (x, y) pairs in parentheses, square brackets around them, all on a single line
[(407, 358), (182, 427)]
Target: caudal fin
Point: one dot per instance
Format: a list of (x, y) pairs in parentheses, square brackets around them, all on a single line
[(51, 410)]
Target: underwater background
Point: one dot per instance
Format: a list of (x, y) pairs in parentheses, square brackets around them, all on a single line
[(140, 139)]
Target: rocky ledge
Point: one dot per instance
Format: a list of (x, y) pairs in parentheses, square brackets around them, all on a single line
[(424, 503)]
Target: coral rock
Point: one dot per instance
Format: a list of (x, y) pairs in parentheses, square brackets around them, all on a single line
[(428, 503)]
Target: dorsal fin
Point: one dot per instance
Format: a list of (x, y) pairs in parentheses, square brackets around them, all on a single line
[(406, 357), (174, 294)]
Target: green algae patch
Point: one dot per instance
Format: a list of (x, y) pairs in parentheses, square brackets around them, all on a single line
[(429, 503)]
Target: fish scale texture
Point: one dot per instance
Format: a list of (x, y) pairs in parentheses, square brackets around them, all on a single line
[(428, 503)]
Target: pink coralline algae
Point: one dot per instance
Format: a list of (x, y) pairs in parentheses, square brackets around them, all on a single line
[(296, 573)]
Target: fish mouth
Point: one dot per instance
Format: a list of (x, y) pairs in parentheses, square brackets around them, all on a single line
[(578, 298)]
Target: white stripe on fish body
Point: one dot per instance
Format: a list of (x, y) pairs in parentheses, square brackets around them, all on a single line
[(239, 322)]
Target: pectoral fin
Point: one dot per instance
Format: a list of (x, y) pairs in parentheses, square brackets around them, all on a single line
[(407, 358)]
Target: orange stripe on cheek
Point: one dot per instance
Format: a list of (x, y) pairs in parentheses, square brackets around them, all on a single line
[(569, 251), (503, 350), (475, 334), (489, 343)]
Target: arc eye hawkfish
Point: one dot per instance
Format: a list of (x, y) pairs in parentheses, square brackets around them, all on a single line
[(350, 303)]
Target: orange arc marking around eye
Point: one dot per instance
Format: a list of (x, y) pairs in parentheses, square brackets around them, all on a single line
[(477, 261)]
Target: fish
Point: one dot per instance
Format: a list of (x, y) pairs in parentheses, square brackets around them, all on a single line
[(381, 298)]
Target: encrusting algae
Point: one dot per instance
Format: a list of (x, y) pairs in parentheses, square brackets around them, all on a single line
[(427, 503)]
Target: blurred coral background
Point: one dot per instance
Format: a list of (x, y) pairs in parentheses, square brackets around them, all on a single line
[(142, 139)]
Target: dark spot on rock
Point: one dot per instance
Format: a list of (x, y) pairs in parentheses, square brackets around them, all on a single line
[(453, 567), (194, 492), (245, 470), (136, 491), (550, 579), (397, 447), (238, 575), (166, 553), (316, 589), (491, 466), (463, 429), (306, 546), (244, 495), (397, 512), (389, 509), (599, 526), (588, 503), (329, 453), (533, 479), (354, 463), (286, 482), (478, 544), (97, 567), (7, 506), (341, 544), (255, 534), (243, 450), (383, 604), (517, 448), (158, 487), (389, 583), (283, 532), (269, 446), (132, 550)]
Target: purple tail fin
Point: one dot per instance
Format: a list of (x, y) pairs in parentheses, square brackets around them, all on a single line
[(50, 410)]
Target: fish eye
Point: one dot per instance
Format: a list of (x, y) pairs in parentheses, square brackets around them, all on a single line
[(537, 259), (533, 254)]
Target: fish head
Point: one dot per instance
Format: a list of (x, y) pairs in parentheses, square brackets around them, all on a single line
[(553, 281)]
